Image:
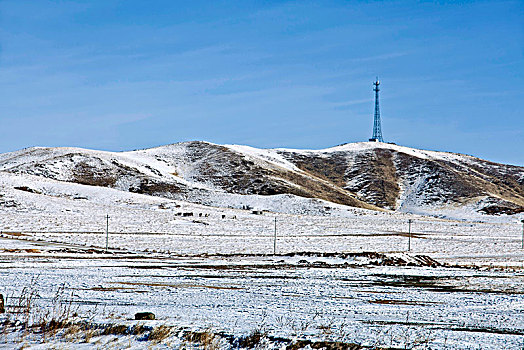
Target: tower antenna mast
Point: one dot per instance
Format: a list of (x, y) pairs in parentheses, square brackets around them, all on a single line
[(377, 129)]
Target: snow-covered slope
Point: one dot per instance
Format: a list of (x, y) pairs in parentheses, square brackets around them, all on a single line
[(412, 180), (367, 175)]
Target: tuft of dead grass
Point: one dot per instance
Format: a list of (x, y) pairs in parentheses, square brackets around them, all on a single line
[(207, 339), (160, 333), (252, 340), (116, 329)]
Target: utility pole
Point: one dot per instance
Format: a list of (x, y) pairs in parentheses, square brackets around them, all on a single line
[(275, 238), (522, 233), (409, 234), (107, 232)]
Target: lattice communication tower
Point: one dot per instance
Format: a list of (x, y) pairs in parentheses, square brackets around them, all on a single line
[(377, 130)]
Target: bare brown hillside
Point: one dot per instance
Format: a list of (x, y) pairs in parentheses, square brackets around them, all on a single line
[(365, 175)]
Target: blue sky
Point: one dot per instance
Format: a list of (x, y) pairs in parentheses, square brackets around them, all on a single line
[(121, 75)]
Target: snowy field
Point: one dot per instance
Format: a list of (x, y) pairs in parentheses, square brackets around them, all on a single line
[(215, 271), (336, 298), (140, 223)]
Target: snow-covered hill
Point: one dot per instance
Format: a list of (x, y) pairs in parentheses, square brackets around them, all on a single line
[(366, 175)]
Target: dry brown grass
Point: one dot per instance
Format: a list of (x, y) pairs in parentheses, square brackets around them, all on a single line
[(73, 333), (29, 316), (252, 340), (88, 334), (207, 339), (16, 234), (160, 333), (116, 329), (28, 250)]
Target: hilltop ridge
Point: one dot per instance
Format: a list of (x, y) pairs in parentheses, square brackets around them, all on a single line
[(367, 175)]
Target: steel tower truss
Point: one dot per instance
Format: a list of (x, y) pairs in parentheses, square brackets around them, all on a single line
[(377, 130)]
